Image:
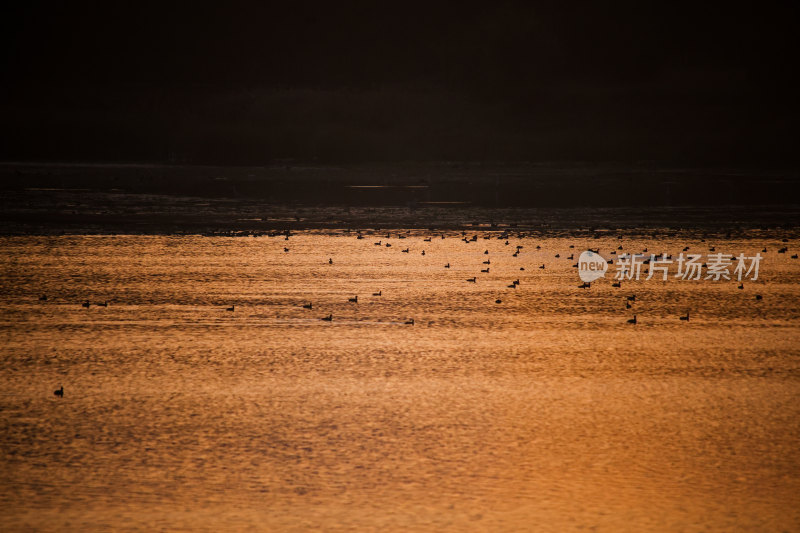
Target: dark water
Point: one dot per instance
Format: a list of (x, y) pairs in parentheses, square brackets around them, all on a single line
[(547, 411)]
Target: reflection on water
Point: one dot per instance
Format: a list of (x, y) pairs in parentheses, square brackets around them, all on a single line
[(546, 411)]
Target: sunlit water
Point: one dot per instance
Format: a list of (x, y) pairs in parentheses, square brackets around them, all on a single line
[(547, 411)]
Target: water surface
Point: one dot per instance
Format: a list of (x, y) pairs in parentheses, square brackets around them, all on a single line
[(547, 411)]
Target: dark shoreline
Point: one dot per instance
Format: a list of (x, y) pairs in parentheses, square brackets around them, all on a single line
[(37, 198)]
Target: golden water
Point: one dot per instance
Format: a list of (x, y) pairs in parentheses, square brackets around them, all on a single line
[(545, 412)]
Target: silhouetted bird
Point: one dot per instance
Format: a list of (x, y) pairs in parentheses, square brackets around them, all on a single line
[(686, 318), (512, 286), (230, 308), (330, 261), (327, 318), (632, 320), (558, 255), (405, 251), (104, 304), (86, 304), (498, 301), (585, 285), (309, 305), (285, 249), (542, 267), (354, 299), (410, 322), (487, 262), (471, 280), (447, 265), (43, 298), (423, 252), (379, 293), (632, 298), (485, 270), (741, 286), (627, 305), (617, 284), (759, 297), (486, 252), (59, 392)]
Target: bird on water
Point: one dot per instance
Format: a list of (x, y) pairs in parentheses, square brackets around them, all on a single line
[(59, 392)]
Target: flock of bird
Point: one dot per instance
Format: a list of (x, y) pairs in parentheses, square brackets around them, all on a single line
[(629, 300)]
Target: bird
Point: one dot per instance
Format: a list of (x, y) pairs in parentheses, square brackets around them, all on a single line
[(423, 252), (379, 293), (627, 305), (741, 286), (498, 301), (59, 392), (759, 297), (43, 298), (632, 298), (471, 280), (512, 286), (330, 261), (486, 252), (522, 268), (515, 282), (405, 251), (231, 308), (586, 285), (686, 318), (378, 243), (617, 284), (388, 245), (632, 320), (447, 265), (410, 322), (104, 304), (309, 305), (285, 249), (764, 250), (558, 255), (485, 270), (487, 262), (354, 299), (428, 239), (328, 318), (542, 267), (86, 304)]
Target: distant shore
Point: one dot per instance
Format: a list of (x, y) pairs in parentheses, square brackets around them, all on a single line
[(40, 198)]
